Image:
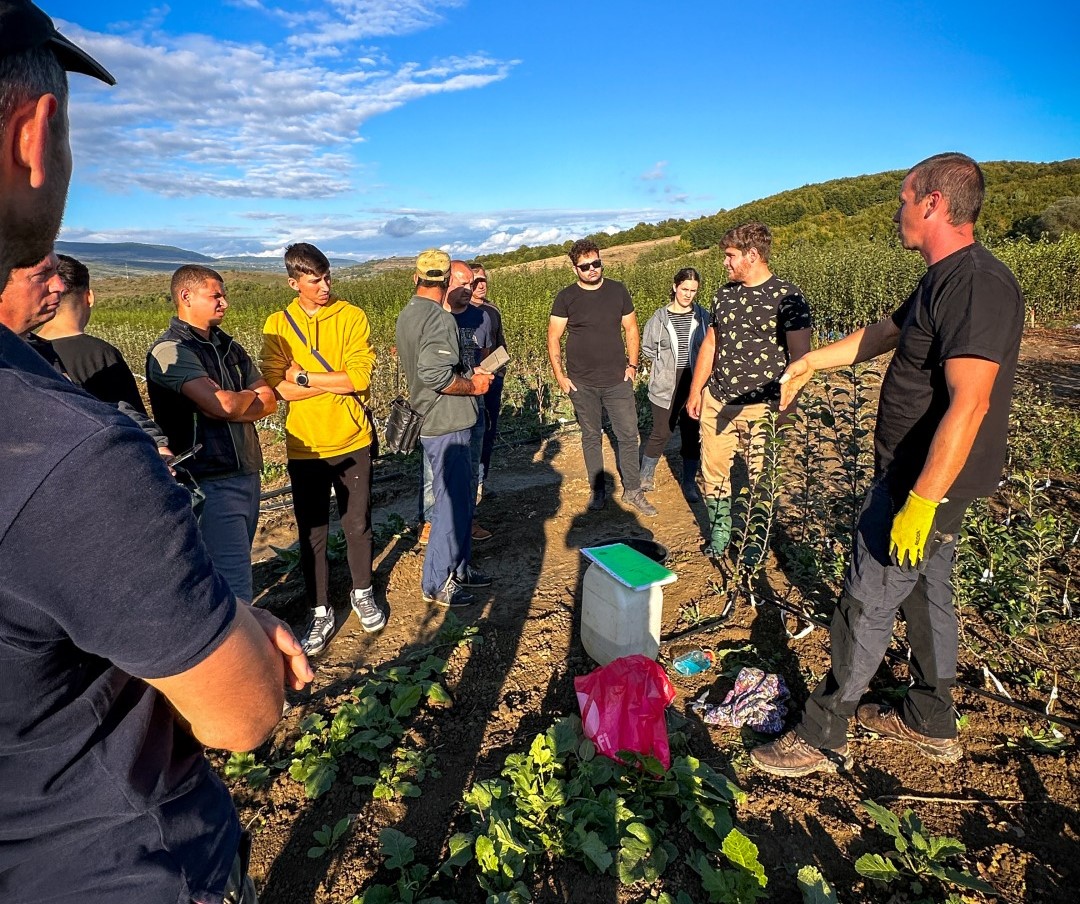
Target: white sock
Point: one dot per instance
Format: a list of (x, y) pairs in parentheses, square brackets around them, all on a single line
[(321, 611)]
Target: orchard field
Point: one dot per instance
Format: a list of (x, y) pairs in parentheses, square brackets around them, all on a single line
[(442, 761)]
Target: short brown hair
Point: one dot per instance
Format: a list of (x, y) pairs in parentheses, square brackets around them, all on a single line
[(189, 277), (747, 236), (582, 247), (304, 259), (959, 180)]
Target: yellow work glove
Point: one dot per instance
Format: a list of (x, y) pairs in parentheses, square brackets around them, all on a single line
[(912, 529)]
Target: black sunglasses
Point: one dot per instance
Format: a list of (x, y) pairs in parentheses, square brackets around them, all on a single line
[(591, 265)]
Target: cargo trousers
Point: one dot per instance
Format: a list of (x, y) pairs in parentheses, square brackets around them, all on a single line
[(875, 590)]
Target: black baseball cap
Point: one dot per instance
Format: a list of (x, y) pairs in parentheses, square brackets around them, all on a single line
[(23, 27)]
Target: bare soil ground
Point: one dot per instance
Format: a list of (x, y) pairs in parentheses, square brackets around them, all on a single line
[(1018, 812)]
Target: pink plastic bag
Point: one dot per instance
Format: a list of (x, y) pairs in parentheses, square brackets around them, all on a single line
[(622, 707)]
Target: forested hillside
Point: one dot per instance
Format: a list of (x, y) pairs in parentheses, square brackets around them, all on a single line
[(1023, 200)]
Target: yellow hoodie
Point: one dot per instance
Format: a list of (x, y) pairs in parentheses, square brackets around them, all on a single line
[(329, 424)]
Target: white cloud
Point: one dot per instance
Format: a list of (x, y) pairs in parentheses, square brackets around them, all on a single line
[(657, 172), (195, 115), (486, 232)]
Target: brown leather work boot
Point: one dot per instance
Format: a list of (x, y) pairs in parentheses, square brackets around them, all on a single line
[(885, 721), (790, 756)]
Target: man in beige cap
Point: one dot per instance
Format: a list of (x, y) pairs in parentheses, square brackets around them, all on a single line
[(444, 390)]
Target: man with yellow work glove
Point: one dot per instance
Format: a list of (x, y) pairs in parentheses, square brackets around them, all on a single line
[(912, 531), (941, 427)]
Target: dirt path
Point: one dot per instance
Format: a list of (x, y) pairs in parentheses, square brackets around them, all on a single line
[(1017, 812)]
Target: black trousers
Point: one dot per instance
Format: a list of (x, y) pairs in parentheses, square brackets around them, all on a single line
[(665, 419), (862, 626), (350, 476)]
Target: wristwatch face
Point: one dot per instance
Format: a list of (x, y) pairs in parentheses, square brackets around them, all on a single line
[(302, 378)]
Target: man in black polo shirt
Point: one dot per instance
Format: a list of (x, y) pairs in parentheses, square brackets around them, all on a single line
[(599, 373), (205, 389), (939, 444), (107, 796)]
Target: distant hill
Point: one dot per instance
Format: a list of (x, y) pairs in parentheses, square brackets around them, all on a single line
[(134, 258), (1022, 200)]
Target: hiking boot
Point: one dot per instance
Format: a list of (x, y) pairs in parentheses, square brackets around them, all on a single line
[(637, 500), (318, 633), (597, 500), (885, 721), (480, 534), (424, 534), (452, 595), (371, 617), (648, 473), (474, 578), (790, 756)]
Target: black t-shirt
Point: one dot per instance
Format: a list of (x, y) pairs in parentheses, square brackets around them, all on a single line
[(476, 328), (99, 368), (751, 324), (595, 354), (107, 798), (967, 305)]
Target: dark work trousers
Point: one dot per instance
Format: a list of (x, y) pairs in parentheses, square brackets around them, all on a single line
[(862, 626), (350, 476), (589, 404), (665, 419), (492, 407), (449, 545)]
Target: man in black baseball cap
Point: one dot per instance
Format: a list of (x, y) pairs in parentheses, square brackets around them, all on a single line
[(120, 655), (35, 157)]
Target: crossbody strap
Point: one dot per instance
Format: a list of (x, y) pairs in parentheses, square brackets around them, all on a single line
[(318, 356), (315, 353)]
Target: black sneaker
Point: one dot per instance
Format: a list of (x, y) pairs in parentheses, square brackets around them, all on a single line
[(318, 634), (452, 595), (597, 500), (474, 578)]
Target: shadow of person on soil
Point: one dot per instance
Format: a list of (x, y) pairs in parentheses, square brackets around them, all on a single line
[(486, 690), (1039, 825)]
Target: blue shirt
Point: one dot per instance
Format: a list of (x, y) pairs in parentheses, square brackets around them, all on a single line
[(106, 796)]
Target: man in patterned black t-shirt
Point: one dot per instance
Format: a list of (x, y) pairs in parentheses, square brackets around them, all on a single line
[(759, 324)]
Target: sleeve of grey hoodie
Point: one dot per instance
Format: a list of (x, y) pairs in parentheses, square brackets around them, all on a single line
[(650, 339)]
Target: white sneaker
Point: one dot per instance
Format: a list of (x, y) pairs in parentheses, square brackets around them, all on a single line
[(318, 633), (371, 617)]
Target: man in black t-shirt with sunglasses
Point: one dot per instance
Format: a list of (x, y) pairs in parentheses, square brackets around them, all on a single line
[(599, 374)]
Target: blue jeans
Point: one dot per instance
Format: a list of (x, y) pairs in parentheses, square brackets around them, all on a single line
[(454, 490), (227, 522), (476, 442)]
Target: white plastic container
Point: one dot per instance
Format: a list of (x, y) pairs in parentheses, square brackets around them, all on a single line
[(617, 621)]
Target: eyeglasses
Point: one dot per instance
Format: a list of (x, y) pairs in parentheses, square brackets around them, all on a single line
[(591, 265)]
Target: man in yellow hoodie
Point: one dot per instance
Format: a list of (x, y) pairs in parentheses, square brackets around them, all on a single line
[(317, 356)]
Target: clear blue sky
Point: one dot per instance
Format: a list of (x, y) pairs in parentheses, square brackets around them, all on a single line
[(380, 127)]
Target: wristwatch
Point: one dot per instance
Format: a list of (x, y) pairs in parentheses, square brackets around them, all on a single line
[(302, 378)]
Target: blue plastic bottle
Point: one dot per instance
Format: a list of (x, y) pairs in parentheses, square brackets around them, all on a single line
[(694, 662)]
